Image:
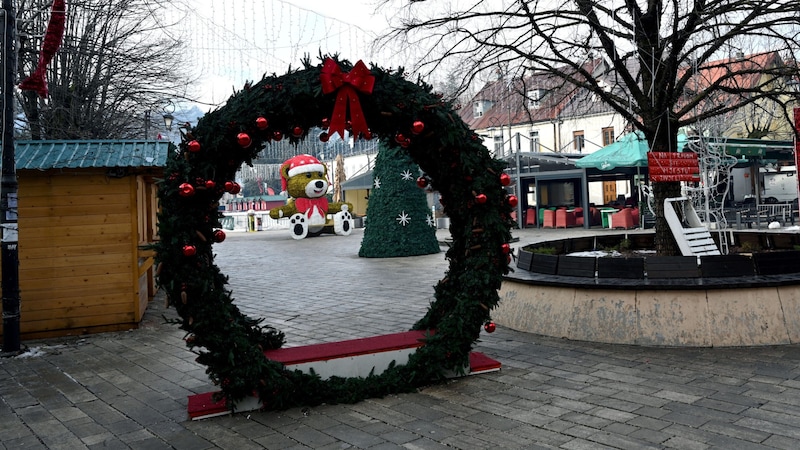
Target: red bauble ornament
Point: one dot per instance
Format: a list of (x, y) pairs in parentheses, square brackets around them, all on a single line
[(505, 248), (513, 201), (219, 236), (236, 188), (417, 127), (210, 184), (323, 137), (422, 182), (262, 123), (326, 123), (189, 250), (229, 186), (193, 146), (244, 140), (480, 198), (297, 131), (277, 135), (405, 143), (489, 327), (400, 138), (186, 190), (505, 179)]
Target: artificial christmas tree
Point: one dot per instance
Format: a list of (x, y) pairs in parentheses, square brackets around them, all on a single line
[(399, 221)]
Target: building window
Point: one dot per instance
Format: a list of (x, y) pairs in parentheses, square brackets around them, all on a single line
[(478, 109), (608, 135), (498, 145), (534, 95), (534, 139), (577, 141)]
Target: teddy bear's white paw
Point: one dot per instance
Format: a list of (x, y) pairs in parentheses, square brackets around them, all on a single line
[(343, 223), (298, 226)]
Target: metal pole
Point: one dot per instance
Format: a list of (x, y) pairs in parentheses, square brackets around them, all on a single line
[(9, 253), (519, 187), (796, 112)]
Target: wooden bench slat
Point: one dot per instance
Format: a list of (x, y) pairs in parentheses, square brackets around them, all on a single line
[(576, 266), (726, 266), (546, 264), (524, 260), (672, 267), (632, 268)]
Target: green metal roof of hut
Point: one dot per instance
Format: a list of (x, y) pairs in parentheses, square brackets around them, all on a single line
[(77, 154)]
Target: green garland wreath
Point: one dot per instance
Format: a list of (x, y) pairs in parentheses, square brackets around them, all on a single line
[(400, 113)]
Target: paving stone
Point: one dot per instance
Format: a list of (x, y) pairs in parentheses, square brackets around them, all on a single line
[(354, 436), (311, 437)]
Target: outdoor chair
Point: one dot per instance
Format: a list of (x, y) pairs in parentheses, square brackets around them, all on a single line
[(622, 219), (564, 218), (578, 216), (530, 217), (549, 218)]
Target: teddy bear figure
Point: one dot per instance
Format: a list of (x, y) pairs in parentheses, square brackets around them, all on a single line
[(305, 179)]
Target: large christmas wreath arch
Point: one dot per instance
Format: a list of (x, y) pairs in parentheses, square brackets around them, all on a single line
[(382, 104)]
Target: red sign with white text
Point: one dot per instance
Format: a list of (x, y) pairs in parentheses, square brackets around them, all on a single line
[(673, 166)]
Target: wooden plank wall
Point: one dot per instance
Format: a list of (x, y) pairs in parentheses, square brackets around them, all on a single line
[(78, 261)]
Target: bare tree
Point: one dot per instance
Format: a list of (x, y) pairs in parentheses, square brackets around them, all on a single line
[(672, 60), (118, 63)]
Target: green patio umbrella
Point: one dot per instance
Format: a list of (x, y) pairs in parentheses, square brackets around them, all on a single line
[(630, 151)]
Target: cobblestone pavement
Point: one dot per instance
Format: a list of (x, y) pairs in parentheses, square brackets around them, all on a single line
[(129, 389)]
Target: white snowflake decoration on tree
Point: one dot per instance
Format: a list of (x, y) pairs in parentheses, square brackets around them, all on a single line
[(406, 175), (377, 183), (430, 221), (403, 218)]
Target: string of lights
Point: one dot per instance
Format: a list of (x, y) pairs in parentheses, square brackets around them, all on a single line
[(233, 42)]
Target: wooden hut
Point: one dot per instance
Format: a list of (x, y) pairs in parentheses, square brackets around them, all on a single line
[(86, 210), (356, 191)]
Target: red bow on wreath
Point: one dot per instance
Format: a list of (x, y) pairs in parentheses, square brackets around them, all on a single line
[(346, 86)]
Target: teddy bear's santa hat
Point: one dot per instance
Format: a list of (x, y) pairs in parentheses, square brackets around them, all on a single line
[(299, 164)]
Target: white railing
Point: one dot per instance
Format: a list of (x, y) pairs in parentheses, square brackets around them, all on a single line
[(781, 212), (237, 221)]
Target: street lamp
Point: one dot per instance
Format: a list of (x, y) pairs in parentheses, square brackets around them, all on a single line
[(167, 116)]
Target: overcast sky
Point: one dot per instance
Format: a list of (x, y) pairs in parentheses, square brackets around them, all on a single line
[(229, 43)]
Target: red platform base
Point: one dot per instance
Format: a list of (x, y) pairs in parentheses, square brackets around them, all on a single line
[(353, 358)]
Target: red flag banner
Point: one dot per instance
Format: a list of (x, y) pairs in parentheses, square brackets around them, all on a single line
[(52, 41)]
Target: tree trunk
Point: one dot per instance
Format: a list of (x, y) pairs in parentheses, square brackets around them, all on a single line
[(664, 241)]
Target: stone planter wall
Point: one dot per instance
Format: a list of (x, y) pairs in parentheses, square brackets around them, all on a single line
[(731, 300)]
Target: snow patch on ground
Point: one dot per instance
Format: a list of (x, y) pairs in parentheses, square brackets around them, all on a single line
[(609, 253), (37, 352)]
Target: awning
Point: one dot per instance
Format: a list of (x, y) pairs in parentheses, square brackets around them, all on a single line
[(363, 181), (754, 147)]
